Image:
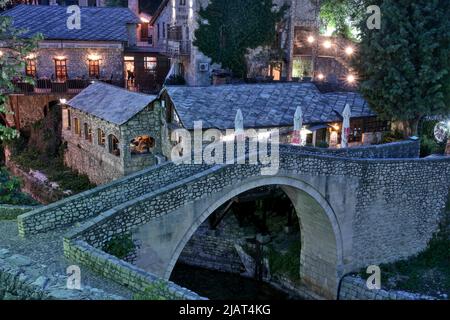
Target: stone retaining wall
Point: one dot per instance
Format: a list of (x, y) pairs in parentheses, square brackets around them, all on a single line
[(355, 288), (22, 279), (10, 212), (124, 273)]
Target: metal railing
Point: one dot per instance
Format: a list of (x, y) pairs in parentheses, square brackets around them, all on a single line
[(47, 86)]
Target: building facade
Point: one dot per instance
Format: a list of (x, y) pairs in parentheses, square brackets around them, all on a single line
[(110, 132), (304, 52)]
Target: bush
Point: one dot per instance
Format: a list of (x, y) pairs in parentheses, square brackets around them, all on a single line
[(11, 213), (120, 246), (287, 264), (428, 143), (10, 192), (54, 169), (392, 136)]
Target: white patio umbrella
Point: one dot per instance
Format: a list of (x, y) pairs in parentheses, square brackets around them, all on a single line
[(346, 126), (298, 124), (239, 123)]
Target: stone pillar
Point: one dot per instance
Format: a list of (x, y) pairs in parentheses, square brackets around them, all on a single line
[(447, 149)]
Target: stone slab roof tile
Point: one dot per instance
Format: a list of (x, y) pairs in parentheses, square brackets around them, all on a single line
[(110, 103), (97, 23), (262, 105)]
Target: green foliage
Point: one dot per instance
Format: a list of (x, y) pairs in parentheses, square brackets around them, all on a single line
[(10, 192), (7, 213), (322, 144), (120, 246), (287, 264), (428, 143), (392, 136), (227, 29), (12, 63), (404, 66), (52, 167), (157, 291)]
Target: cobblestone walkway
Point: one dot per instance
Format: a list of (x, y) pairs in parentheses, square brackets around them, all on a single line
[(47, 249)]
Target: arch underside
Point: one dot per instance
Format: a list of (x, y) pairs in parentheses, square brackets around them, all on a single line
[(321, 256)]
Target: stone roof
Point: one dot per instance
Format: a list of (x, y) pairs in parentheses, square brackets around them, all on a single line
[(110, 103), (97, 23), (262, 105)]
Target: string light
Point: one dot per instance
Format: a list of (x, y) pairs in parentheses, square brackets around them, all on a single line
[(349, 51), (351, 78)]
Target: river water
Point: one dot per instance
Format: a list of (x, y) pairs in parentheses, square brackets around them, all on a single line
[(216, 285)]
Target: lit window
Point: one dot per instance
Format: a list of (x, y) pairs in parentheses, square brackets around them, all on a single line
[(101, 137), (30, 68), (87, 133), (76, 124), (150, 64), (94, 69), (142, 145), (61, 69), (66, 119)]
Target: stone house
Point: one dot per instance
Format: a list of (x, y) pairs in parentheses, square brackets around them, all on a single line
[(305, 53), (273, 106), (107, 46), (111, 132)]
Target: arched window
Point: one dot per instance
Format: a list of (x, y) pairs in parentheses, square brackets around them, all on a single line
[(101, 137), (113, 143), (76, 125), (87, 133), (142, 145)]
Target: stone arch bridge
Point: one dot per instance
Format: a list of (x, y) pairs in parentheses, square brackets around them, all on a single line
[(356, 207)]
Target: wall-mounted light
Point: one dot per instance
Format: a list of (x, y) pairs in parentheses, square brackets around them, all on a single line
[(31, 56), (327, 44), (320, 76), (62, 101), (1, 53), (94, 57), (311, 39), (60, 58), (145, 20)]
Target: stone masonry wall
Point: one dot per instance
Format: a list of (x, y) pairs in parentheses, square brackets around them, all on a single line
[(215, 249), (124, 273), (21, 279), (110, 59), (355, 288), (89, 157), (100, 199)]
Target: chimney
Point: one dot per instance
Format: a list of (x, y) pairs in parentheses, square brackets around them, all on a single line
[(133, 5)]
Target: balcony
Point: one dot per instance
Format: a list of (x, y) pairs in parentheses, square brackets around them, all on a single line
[(47, 86), (178, 48)]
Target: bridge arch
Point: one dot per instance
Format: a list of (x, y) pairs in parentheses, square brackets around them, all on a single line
[(321, 256)]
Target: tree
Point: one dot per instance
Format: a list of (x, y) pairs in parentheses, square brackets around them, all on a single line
[(227, 29), (14, 51), (405, 66)]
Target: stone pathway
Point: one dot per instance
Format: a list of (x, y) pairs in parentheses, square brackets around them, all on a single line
[(47, 249)]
